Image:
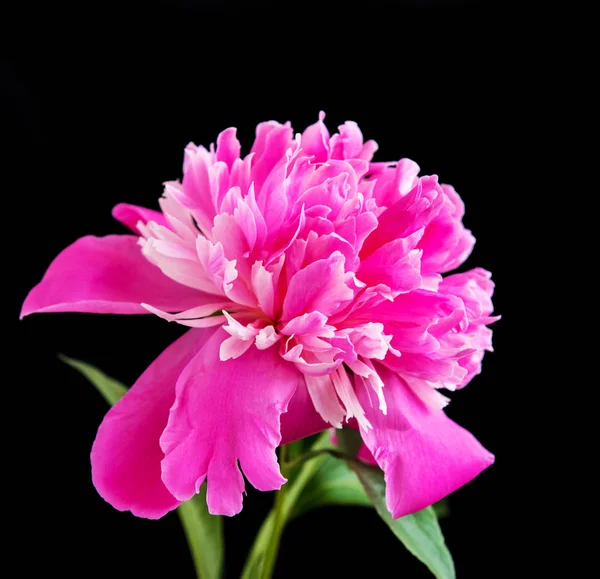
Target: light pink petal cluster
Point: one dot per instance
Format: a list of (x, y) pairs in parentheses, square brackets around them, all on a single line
[(311, 279)]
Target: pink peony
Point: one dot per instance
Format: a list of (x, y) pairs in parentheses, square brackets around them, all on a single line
[(311, 279)]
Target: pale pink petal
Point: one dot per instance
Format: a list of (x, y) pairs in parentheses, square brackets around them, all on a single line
[(223, 272), (406, 175), (196, 193), (212, 259), (312, 323), (427, 392), (326, 403), (266, 338), (246, 221), (198, 317), (242, 338), (233, 347), (126, 454), (229, 236), (202, 441), (312, 363), (107, 275), (424, 455), (370, 341), (179, 263), (445, 371), (365, 371), (179, 219), (234, 328), (130, 215), (345, 390), (262, 285)]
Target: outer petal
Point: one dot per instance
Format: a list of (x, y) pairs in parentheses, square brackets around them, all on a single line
[(106, 275), (126, 454), (446, 243), (227, 412), (130, 215), (424, 454), (301, 419)]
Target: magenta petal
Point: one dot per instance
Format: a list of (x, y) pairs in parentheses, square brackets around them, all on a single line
[(272, 141), (315, 140), (228, 147), (131, 215), (227, 412), (106, 275), (126, 454), (424, 454), (320, 287), (301, 419)]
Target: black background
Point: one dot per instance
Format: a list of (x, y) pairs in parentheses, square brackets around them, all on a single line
[(101, 103)]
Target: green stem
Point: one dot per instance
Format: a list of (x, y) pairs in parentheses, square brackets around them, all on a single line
[(283, 508), (278, 524), (315, 454)]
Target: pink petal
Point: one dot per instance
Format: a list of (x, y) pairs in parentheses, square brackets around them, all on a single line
[(106, 275), (315, 140), (271, 143), (395, 264), (446, 243), (301, 419), (126, 454), (410, 213), (130, 215), (318, 287), (475, 287), (348, 144), (227, 412), (424, 454), (196, 193), (228, 147)]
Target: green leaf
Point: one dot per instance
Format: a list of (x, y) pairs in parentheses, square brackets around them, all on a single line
[(204, 534), (420, 532), (334, 483), (112, 390), (203, 531)]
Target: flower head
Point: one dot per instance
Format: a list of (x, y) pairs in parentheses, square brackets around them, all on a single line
[(312, 280)]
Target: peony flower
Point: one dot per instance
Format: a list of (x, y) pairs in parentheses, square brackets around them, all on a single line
[(311, 280)]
